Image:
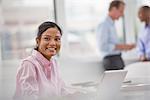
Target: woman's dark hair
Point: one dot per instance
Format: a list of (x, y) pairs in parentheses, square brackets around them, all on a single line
[(116, 3), (45, 25)]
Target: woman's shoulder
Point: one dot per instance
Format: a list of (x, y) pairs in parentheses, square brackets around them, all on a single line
[(28, 61), (26, 66)]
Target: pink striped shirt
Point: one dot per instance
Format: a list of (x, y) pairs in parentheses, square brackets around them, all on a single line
[(38, 77)]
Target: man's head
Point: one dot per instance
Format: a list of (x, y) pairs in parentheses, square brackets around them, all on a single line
[(116, 9), (144, 14)]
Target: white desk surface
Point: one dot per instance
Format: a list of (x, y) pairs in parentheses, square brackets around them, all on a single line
[(139, 88)]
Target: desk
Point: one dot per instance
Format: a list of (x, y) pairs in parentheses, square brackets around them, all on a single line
[(138, 92), (131, 93), (139, 88), (138, 70)]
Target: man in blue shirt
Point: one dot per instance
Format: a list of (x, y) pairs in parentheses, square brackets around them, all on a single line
[(107, 38), (144, 38)]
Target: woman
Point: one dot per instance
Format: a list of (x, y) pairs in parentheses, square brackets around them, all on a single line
[(38, 75)]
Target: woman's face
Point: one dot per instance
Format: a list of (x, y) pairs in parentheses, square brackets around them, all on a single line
[(49, 43)]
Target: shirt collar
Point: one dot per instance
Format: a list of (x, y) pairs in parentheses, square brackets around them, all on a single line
[(41, 58), (110, 20)]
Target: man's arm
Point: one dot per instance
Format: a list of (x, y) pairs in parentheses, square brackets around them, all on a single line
[(124, 47)]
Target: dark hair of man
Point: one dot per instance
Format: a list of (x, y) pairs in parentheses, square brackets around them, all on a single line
[(116, 3), (145, 9)]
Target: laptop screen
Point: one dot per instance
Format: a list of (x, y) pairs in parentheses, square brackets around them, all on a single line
[(110, 84)]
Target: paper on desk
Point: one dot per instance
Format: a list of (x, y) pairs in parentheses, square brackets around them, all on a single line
[(135, 86), (86, 84)]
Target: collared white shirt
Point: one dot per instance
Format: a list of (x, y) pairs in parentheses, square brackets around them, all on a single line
[(107, 38)]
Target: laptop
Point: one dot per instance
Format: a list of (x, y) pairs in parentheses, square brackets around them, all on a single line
[(108, 86)]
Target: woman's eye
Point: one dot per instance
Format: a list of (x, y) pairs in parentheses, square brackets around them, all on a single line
[(57, 39), (46, 38)]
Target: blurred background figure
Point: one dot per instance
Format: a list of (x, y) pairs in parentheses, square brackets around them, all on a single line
[(108, 40), (143, 45)]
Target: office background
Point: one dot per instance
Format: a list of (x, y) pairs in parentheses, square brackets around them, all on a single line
[(19, 20)]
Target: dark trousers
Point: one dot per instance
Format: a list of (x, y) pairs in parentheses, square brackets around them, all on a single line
[(113, 62)]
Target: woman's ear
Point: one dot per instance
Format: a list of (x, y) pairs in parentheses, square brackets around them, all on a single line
[(37, 42)]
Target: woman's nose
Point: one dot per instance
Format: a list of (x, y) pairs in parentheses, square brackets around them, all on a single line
[(52, 42)]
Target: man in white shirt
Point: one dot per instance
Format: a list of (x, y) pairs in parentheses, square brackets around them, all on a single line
[(107, 38)]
